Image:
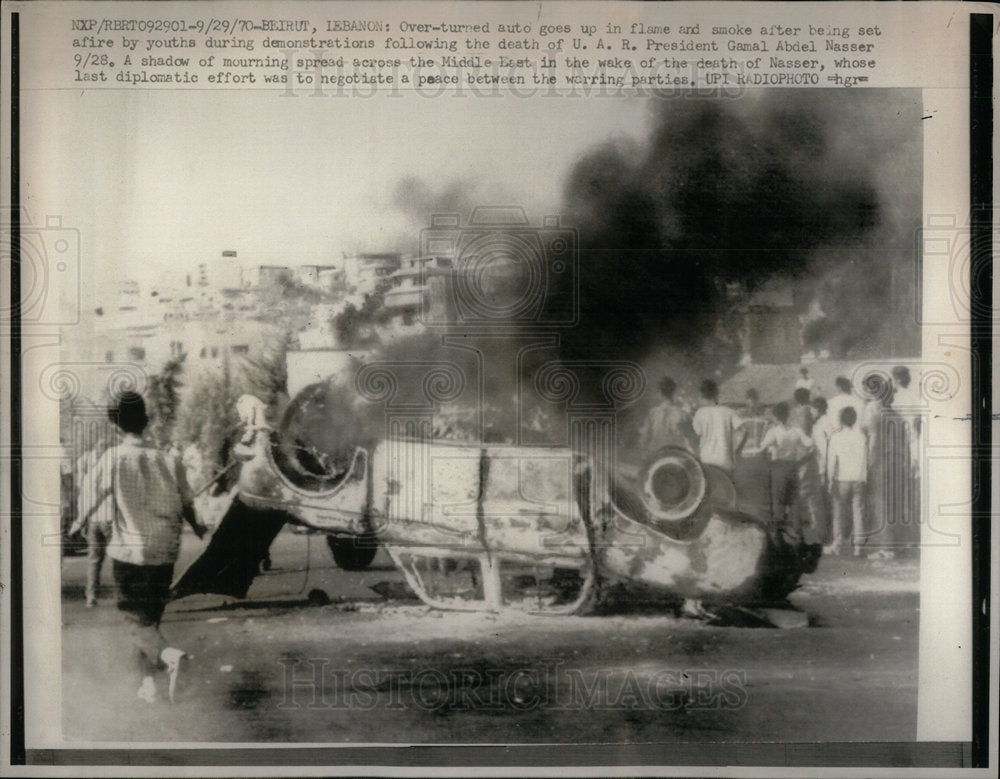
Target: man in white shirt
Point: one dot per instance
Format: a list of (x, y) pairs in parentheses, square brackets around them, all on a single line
[(847, 474), (786, 445), (716, 427), (151, 499), (805, 382), (844, 398)]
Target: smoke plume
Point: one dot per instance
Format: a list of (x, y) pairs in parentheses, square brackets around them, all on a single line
[(738, 192), (816, 190)]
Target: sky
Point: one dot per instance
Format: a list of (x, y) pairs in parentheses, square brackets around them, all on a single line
[(167, 179)]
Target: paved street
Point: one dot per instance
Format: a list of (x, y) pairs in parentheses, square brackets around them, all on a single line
[(367, 668)]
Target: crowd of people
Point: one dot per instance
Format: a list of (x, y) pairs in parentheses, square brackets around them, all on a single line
[(843, 471)]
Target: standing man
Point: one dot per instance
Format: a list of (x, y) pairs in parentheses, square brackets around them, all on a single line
[(151, 499), (716, 426), (805, 382), (801, 415), (907, 402), (753, 406), (668, 424), (753, 422), (847, 475), (904, 399), (810, 503), (889, 496), (786, 446), (824, 427), (844, 398)]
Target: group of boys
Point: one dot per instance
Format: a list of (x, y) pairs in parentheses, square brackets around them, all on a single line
[(814, 446)]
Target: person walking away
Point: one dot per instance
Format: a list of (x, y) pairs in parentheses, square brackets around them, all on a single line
[(716, 426), (151, 499), (785, 445), (668, 424), (847, 475)]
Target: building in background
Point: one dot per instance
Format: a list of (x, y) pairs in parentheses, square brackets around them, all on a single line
[(364, 271), (320, 277), (266, 275), (418, 292)]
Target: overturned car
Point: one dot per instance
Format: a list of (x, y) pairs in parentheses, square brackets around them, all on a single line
[(545, 529)]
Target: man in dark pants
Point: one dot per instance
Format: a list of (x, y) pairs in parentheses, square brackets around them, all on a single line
[(151, 498), (786, 445)]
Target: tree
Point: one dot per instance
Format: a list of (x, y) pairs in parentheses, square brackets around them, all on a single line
[(354, 326), (208, 420), (266, 374), (164, 401)]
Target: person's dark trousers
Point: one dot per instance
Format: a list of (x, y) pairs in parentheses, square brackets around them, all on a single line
[(143, 592)]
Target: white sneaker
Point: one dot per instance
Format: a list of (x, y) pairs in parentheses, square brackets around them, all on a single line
[(147, 690), (171, 657)]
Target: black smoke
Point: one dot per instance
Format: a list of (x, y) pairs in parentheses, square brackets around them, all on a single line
[(818, 191), (729, 194)]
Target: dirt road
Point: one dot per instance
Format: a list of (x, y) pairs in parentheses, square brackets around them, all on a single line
[(370, 669)]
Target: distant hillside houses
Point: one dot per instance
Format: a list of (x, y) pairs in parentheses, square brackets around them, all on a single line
[(364, 271)]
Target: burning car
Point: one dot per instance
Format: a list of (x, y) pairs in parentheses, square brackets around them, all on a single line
[(545, 529)]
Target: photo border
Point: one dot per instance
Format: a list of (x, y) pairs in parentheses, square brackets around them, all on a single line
[(974, 754)]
